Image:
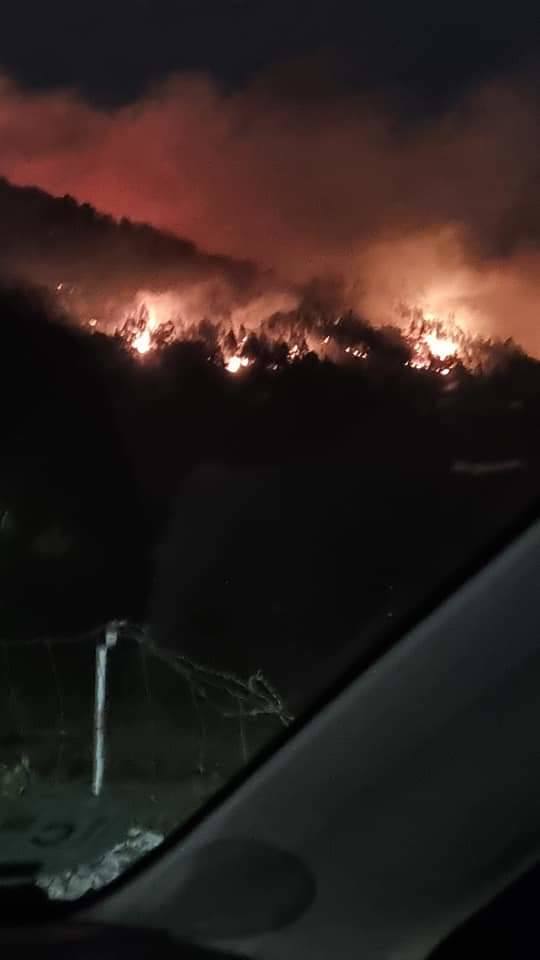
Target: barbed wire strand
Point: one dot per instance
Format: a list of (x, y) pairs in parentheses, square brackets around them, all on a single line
[(94, 634), (253, 697), (256, 690)]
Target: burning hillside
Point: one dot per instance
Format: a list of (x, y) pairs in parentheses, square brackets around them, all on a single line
[(316, 187), (416, 339), (151, 290), (441, 345)]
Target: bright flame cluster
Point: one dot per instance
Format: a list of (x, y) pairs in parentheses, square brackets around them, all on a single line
[(142, 342), (434, 350), (144, 332), (235, 363), (435, 346), (357, 352), (441, 347)]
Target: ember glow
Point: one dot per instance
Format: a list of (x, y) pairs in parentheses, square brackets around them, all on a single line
[(142, 343), (142, 331), (441, 347), (429, 349), (357, 352), (236, 363), (440, 344)]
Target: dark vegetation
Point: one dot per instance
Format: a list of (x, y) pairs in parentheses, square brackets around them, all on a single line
[(278, 518), (48, 240), (327, 506)]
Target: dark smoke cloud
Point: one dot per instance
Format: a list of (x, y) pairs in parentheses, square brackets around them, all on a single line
[(320, 186)]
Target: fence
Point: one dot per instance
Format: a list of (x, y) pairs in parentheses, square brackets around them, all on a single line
[(110, 707)]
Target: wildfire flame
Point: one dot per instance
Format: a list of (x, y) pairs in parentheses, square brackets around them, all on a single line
[(143, 332), (142, 343), (438, 345), (441, 347), (236, 363), (428, 341)]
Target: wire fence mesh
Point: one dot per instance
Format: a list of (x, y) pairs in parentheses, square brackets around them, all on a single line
[(165, 718)]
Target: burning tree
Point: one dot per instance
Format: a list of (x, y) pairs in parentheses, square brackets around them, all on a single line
[(142, 333)]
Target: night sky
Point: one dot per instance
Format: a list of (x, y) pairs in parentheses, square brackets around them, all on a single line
[(112, 51)]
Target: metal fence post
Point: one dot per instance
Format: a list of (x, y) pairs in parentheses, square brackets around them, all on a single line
[(100, 704)]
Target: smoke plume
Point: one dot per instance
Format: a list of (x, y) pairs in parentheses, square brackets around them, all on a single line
[(443, 213)]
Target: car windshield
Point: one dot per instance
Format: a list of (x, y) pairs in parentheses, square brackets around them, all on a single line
[(269, 378)]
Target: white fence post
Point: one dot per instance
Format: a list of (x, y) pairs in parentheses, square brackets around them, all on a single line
[(100, 703)]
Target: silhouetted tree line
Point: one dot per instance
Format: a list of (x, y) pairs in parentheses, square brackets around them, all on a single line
[(53, 240), (95, 446)]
